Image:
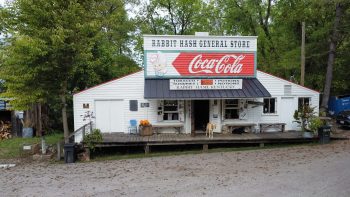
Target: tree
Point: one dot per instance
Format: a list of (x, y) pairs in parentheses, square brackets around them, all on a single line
[(60, 46), (252, 18), (334, 39)]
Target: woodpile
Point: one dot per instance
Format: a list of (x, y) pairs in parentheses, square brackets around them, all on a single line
[(5, 130)]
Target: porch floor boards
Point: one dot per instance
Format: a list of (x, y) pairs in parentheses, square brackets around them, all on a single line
[(121, 139)]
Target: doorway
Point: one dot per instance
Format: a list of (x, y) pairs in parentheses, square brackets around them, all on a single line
[(200, 114), (287, 104), (109, 115)]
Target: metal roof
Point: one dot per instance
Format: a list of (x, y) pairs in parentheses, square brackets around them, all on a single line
[(159, 89)]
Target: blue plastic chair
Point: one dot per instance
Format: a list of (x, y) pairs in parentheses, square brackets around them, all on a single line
[(133, 127)]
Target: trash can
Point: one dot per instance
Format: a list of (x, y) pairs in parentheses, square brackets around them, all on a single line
[(324, 134), (69, 153)]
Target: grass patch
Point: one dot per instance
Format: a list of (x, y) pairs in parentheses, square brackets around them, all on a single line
[(11, 148), (104, 157)]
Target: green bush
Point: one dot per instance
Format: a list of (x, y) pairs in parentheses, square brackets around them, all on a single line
[(315, 123), (92, 138), (303, 116)]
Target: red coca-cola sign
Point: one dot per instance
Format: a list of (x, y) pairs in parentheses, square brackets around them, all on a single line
[(215, 64)]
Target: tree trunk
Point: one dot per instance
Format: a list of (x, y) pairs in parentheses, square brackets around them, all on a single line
[(34, 111), (64, 112), (331, 56), (39, 126)]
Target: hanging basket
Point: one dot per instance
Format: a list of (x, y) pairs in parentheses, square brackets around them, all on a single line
[(146, 130)]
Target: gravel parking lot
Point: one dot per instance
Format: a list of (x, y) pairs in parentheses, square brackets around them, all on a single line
[(318, 170)]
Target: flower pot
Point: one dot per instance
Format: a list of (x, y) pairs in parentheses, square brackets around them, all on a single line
[(27, 132), (146, 130)]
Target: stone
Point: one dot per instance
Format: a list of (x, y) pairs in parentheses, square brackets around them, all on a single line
[(46, 157)]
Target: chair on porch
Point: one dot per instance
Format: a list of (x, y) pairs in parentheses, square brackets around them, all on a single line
[(133, 126)]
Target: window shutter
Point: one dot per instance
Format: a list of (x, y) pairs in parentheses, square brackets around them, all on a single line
[(133, 105), (160, 110)]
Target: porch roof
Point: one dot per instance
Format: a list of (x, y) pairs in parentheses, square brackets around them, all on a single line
[(160, 89)]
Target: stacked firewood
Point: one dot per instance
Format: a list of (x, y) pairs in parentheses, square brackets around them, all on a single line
[(5, 130)]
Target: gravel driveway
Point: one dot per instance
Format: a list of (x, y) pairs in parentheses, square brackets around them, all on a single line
[(320, 170)]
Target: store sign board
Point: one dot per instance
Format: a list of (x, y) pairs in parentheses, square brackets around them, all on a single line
[(205, 84), (200, 64), (200, 57), (214, 64), (200, 43)]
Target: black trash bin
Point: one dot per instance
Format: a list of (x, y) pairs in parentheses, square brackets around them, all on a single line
[(69, 153), (324, 134)]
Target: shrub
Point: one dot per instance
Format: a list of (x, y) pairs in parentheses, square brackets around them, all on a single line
[(92, 138), (315, 123)]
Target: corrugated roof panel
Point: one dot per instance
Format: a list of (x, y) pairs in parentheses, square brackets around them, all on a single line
[(263, 91), (159, 89), (216, 94), (248, 90), (225, 93), (197, 94), (160, 92)]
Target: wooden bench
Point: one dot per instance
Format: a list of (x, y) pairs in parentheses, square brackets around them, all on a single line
[(264, 126), (176, 125), (233, 125)]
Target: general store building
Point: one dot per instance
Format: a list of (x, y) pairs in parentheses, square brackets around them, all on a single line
[(188, 81)]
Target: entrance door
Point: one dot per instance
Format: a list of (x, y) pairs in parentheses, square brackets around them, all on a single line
[(109, 116), (287, 112), (201, 114)]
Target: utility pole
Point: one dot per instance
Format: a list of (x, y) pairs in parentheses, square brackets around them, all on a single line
[(302, 76)]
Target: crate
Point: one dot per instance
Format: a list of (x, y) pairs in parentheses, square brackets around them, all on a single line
[(146, 130)]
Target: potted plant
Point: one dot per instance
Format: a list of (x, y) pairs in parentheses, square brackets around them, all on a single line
[(145, 128), (315, 124), (303, 117)]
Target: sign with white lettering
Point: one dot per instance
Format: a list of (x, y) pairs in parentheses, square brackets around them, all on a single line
[(199, 56), (205, 84)]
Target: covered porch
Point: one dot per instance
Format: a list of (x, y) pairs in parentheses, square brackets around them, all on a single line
[(170, 139), (227, 109)]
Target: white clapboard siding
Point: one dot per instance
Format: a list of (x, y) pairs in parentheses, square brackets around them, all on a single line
[(275, 86), (126, 88), (131, 87)]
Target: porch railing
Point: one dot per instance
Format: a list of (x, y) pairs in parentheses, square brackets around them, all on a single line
[(78, 135)]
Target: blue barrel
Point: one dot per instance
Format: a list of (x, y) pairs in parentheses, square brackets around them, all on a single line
[(338, 104)]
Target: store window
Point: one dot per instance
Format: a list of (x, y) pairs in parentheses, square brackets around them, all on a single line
[(231, 109), (170, 110), (303, 101), (269, 105)]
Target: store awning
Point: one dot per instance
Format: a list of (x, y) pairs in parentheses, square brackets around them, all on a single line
[(160, 89)]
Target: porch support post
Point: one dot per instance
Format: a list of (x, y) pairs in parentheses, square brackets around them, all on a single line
[(59, 151), (205, 147)]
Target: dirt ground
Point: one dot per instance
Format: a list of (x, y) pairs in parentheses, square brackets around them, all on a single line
[(320, 170)]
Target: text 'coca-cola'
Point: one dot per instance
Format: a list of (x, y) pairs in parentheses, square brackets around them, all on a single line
[(215, 64)]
